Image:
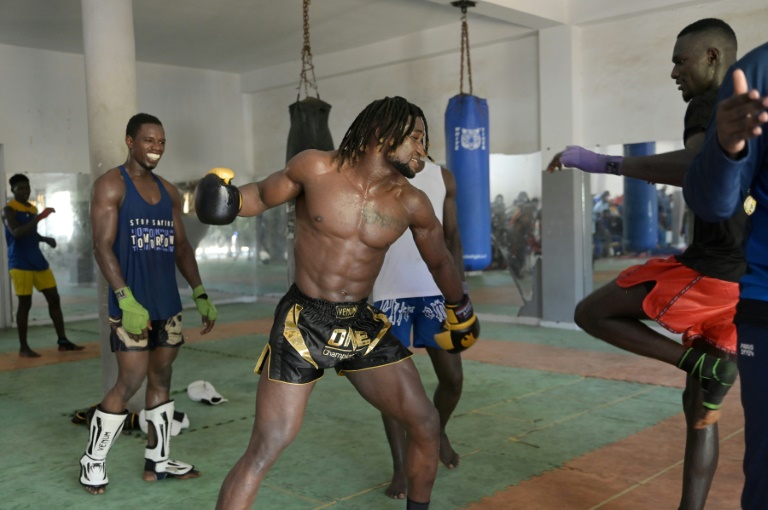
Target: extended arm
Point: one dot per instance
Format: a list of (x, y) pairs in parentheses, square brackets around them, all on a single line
[(219, 202), (50, 241), (285, 185), (17, 230), (275, 190), (668, 168), (720, 175)]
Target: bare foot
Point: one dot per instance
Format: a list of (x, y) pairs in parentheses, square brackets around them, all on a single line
[(151, 476), (28, 353), (95, 490), (710, 416), (448, 455), (398, 487)]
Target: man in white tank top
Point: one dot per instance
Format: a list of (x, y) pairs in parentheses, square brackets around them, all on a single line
[(405, 290)]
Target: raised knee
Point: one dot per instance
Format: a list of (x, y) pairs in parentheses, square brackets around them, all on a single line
[(582, 315), (686, 397)]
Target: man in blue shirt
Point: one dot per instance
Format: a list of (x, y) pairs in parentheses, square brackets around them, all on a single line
[(732, 172), (28, 266)]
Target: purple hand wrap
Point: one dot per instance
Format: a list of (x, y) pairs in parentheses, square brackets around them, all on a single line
[(578, 157)]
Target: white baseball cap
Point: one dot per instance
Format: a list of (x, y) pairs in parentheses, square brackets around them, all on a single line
[(203, 391)]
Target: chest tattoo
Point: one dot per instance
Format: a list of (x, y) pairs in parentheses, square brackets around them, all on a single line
[(373, 217)]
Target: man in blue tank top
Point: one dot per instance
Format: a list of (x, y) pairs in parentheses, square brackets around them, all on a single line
[(139, 241), (27, 265)]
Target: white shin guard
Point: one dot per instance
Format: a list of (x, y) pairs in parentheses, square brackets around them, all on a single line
[(157, 458), (104, 429)]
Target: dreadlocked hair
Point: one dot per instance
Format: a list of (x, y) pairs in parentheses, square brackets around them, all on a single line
[(393, 118)]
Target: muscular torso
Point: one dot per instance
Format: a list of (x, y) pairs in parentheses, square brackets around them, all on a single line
[(345, 224)]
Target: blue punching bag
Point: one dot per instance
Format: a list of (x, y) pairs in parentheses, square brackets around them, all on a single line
[(641, 214), (468, 157)]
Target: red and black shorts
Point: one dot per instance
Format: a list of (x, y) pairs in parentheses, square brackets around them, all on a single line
[(686, 302)]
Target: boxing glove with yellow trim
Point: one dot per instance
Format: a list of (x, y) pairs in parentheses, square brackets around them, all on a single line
[(461, 327), (217, 202)]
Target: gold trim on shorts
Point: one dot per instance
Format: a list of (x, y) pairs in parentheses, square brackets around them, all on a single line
[(292, 333)]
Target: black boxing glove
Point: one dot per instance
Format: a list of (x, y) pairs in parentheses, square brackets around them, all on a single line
[(461, 327), (217, 202)]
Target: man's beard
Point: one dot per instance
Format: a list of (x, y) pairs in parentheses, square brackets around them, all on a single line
[(403, 168), (147, 167)]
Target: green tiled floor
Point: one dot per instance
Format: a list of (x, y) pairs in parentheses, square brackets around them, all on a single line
[(510, 425)]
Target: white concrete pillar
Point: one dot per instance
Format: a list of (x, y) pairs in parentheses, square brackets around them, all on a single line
[(110, 79), (566, 201), (6, 294)]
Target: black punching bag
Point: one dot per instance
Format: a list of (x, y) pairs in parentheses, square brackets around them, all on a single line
[(309, 130), (309, 127)]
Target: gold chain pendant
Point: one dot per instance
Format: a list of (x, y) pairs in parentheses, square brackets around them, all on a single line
[(749, 205)]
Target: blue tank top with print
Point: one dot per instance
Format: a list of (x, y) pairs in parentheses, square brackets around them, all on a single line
[(144, 247)]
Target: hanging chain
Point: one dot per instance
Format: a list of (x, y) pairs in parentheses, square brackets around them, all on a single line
[(306, 59), (465, 46)]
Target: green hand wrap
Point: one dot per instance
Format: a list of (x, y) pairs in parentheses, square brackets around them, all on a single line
[(135, 316), (204, 305)]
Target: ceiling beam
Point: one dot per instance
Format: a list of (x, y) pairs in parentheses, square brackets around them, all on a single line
[(584, 12), (525, 13), (428, 43), (540, 14)]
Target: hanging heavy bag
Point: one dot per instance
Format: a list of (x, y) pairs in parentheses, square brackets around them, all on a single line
[(309, 127), (309, 130), (468, 156)]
